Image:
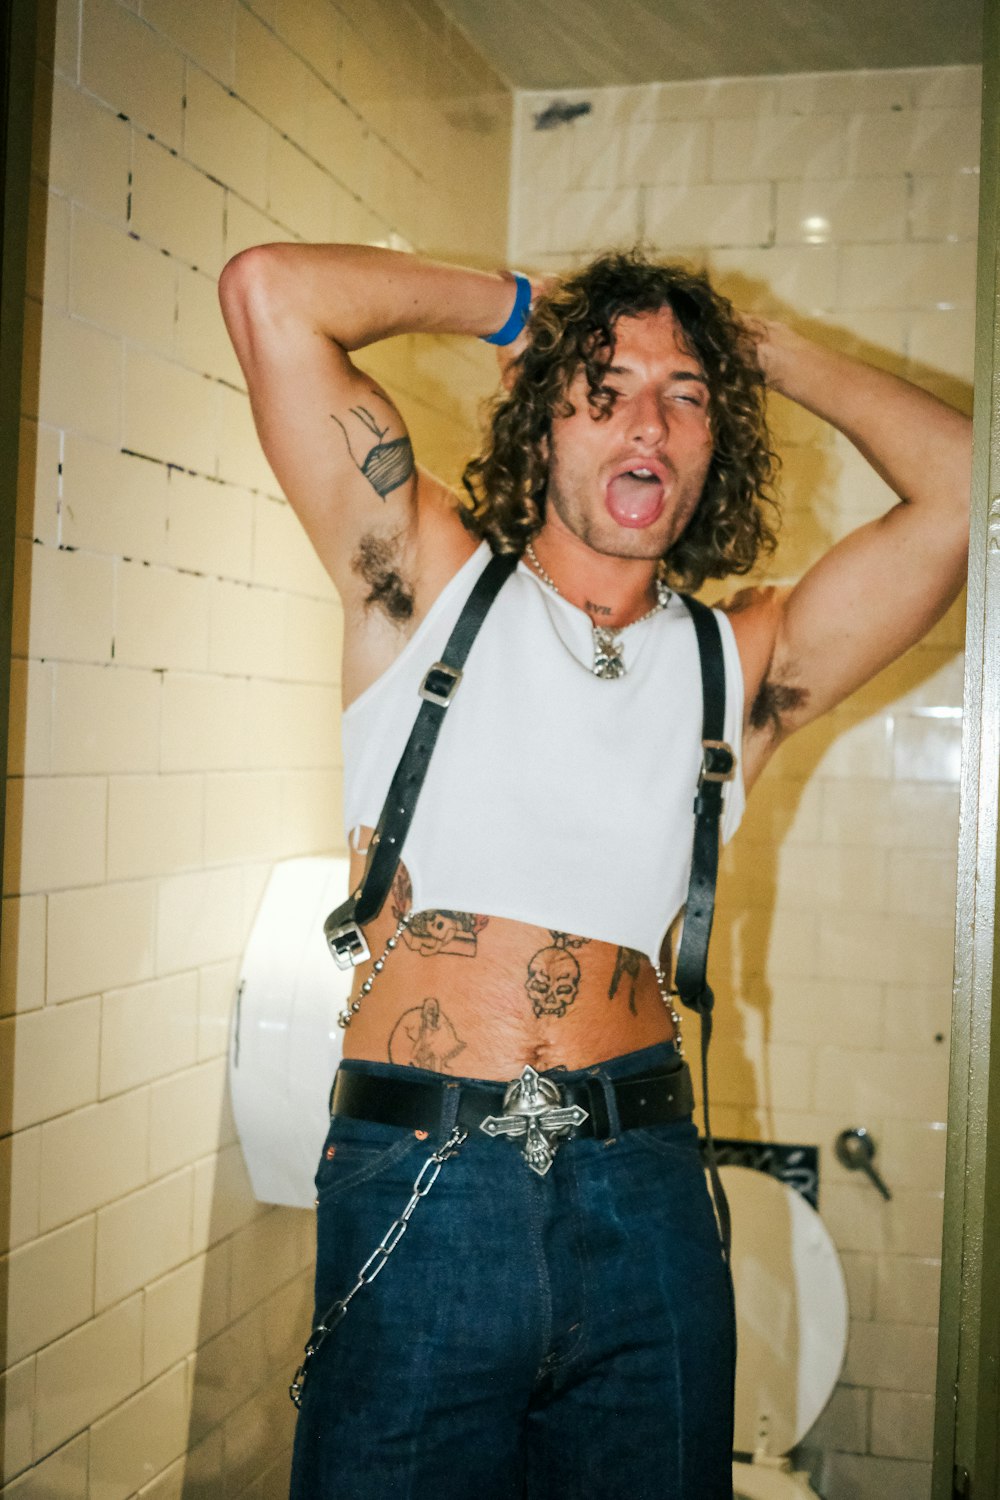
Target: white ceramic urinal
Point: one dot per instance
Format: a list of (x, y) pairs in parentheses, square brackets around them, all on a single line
[(791, 1329), (286, 1043)]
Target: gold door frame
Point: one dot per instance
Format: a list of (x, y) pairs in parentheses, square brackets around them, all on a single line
[(967, 1427), (17, 80)]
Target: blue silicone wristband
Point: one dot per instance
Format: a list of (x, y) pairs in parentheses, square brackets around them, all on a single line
[(518, 313)]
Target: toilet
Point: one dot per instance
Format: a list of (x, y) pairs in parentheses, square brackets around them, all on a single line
[(791, 1329), (285, 1045)]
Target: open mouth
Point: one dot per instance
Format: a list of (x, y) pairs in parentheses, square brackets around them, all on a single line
[(635, 496)]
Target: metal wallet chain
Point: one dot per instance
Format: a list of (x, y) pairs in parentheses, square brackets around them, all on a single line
[(425, 1180)]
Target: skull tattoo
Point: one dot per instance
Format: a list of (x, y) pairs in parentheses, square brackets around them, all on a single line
[(553, 981)]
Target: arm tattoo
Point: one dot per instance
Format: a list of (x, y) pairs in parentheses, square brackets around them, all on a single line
[(553, 981), (386, 465), (423, 1037), (626, 965)]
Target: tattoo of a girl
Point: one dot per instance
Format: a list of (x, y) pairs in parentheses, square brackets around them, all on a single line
[(423, 1037), (432, 932)]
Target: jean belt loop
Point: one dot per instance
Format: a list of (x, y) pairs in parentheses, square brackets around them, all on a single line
[(610, 1103), (451, 1096)]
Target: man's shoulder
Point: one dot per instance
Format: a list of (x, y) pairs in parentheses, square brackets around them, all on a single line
[(775, 697), (755, 614)]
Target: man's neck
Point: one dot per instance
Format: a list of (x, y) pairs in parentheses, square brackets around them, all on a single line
[(614, 591)]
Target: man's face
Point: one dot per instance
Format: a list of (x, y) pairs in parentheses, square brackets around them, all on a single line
[(627, 485)]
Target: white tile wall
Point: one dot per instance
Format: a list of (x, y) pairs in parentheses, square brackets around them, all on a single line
[(189, 612), (849, 199), (176, 695)]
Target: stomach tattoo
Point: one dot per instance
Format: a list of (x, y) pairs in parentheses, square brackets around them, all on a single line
[(424, 1037), (553, 981)]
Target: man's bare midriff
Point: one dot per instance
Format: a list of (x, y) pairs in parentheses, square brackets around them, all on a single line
[(473, 995)]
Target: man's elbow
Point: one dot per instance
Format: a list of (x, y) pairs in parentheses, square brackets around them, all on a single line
[(250, 281)]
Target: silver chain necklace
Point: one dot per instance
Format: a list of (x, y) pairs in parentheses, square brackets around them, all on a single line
[(609, 662)]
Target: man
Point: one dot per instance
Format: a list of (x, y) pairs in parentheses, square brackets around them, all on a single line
[(557, 1320)]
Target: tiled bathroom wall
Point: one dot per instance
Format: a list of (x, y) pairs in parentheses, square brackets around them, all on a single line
[(846, 203), (175, 693), (175, 684)]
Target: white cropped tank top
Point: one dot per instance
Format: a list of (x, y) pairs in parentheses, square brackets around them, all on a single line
[(553, 797)]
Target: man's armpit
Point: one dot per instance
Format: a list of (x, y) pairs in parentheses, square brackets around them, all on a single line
[(378, 563), (776, 702)]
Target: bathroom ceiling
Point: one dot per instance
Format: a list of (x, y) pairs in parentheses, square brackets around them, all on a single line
[(557, 44)]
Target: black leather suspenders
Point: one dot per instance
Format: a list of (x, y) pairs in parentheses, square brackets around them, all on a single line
[(718, 765), (342, 927)]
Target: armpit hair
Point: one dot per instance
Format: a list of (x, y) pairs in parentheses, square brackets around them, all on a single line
[(773, 702), (377, 562)]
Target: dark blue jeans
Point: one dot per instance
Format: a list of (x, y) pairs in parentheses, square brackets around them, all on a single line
[(558, 1338)]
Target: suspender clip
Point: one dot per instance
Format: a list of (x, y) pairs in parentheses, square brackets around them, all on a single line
[(440, 684), (718, 763), (347, 944)]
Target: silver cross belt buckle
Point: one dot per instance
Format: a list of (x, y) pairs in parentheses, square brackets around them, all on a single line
[(533, 1108)]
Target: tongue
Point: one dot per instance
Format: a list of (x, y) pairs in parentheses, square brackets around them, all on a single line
[(634, 502)]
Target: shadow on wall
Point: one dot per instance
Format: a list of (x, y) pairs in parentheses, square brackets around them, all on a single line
[(247, 1350), (756, 935)]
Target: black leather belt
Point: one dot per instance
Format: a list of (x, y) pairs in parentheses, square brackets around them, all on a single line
[(647, 1099)]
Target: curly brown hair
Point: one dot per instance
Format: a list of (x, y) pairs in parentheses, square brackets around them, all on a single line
[(573, 326)]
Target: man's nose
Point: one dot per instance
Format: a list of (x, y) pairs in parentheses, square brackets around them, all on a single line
[(648, 417)]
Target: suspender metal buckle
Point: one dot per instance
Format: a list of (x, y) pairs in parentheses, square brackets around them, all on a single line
[(440, 683), (347, 944), (718, 763)]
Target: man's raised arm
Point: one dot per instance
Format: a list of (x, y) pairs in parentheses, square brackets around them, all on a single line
[(880, 589), (333, 437)]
